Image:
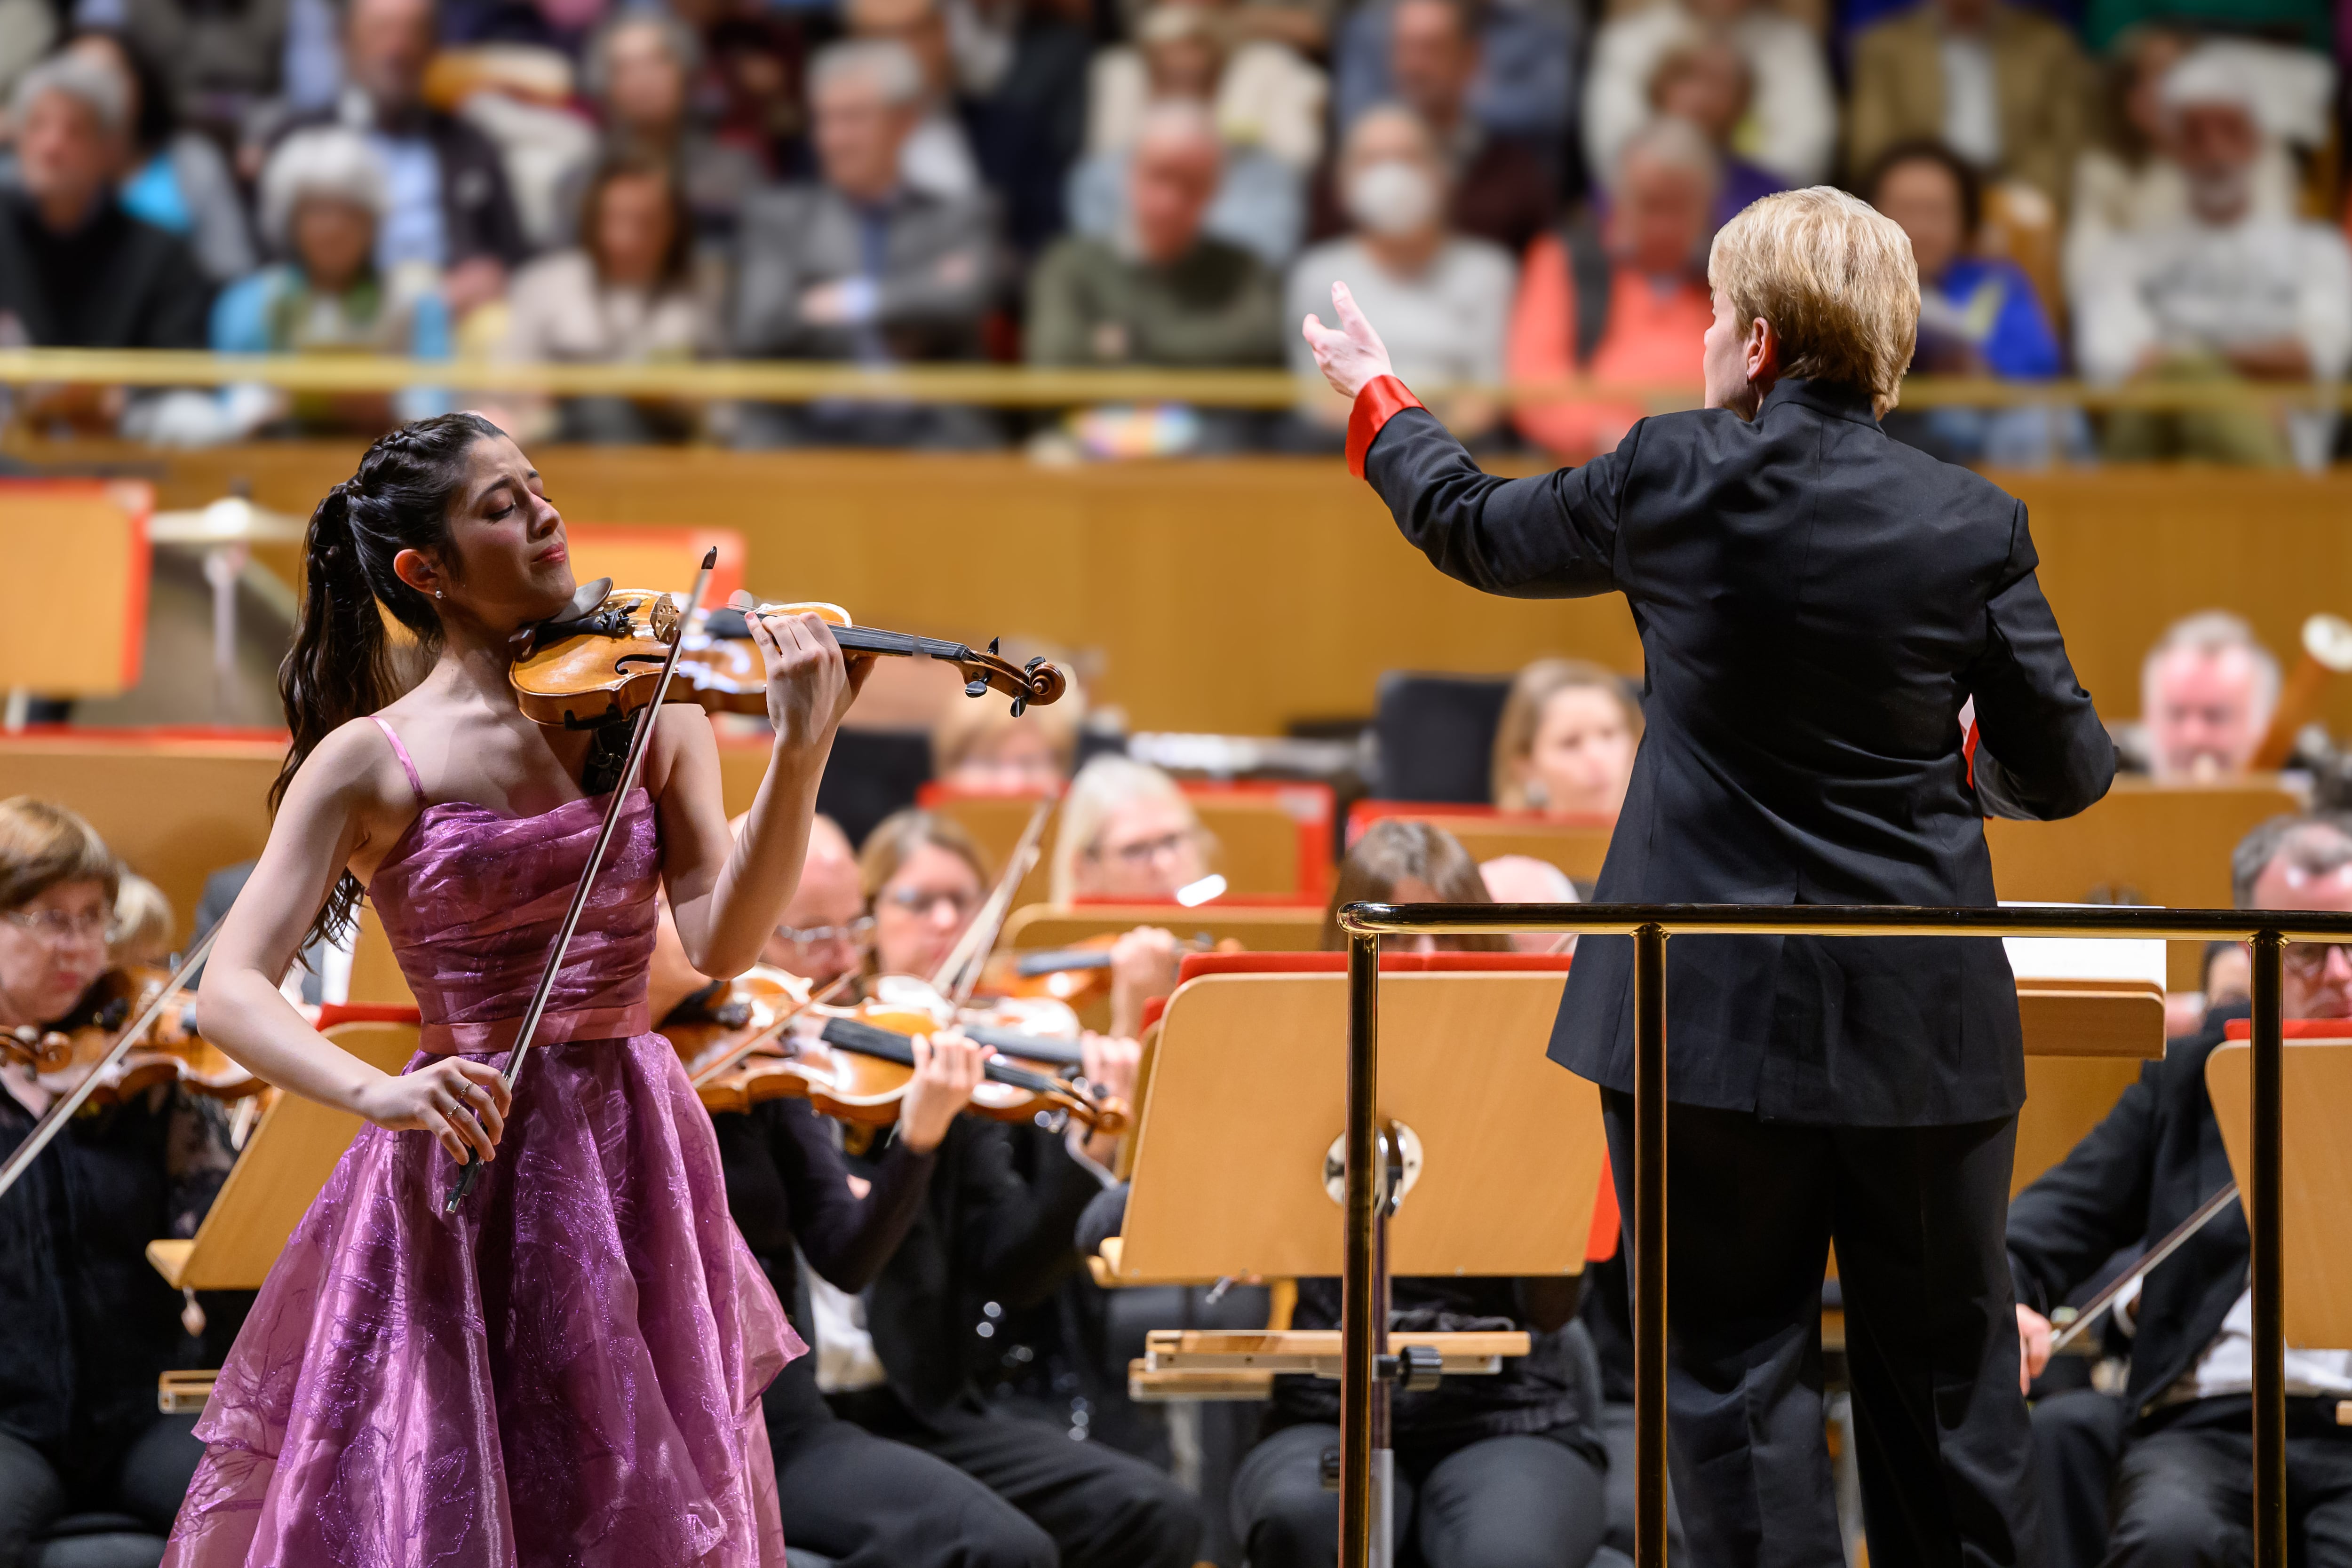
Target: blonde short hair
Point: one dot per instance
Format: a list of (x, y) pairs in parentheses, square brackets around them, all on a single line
[(1102, 787), (1836, 279)]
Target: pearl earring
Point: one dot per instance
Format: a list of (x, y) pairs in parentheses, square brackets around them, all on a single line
[(439, 594)]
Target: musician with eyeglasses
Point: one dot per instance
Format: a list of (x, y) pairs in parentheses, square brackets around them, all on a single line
[(90, 1323), (1129, 835), (2182, 1440)]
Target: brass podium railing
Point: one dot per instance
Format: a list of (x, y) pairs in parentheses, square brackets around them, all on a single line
[(1650, 924)]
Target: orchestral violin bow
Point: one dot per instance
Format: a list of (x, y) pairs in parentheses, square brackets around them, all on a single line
[(960, 972), (61, 1110), (2098, 1305), (639, 740)]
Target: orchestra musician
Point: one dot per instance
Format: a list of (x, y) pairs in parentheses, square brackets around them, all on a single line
[(981, 748), (2181, 1443), (1817, 604), (90, 1322), (565, 1366), (1565, 743), (1129, 834)]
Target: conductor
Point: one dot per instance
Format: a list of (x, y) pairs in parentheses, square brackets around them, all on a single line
[(1818, 606)]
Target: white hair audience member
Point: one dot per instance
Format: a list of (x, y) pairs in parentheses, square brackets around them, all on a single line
[(1794, 110)]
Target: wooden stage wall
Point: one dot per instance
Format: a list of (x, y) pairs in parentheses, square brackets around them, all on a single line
[(1238, 595)]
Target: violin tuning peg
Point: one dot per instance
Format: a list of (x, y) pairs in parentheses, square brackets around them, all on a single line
[(1020, 707), (977, 688), (1034, 660), (993, 642)]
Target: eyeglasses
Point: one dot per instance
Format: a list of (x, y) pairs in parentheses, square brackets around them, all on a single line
[(858, 932), (56, 927), (1143, 851), (922, 900), (2308, 960)]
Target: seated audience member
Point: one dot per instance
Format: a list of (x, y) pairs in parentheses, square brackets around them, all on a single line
[(1263, 94), (216, 65), (1526, 89), (858, 266), (1709, 85), (175, 179), (2001, 85), (1442, 299), (447, 203), (2307, 23), (323, 203), (1258, 203), (2207, 691), (1500, 189), (2183, 1479), (980, 749), (1129, 835), (92, 1325), (1566, 741), (2225, 293), (1167, 292), (639, 70), (1978, 314), (1488, 1466), (1523, 879), (75, 270), (1791, 127), (1021, 71), (625, 294), (936, 157), (1628, 305)]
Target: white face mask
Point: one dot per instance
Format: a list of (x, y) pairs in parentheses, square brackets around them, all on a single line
[(1392, 197)]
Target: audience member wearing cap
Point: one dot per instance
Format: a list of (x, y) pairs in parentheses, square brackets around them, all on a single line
[(2223, 294), (1442, 299), (2002, 86), (1259, 200), (75, 270), (2207, 691), (1791, 129), (174, 178), (1626, 302), (859, 265), (322, 201), (1265, 95), (1500, 188)]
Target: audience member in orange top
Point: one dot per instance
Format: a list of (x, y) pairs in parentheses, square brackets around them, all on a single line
[(980, 748), (1629, 305), (1565, 745), (1127, 833)]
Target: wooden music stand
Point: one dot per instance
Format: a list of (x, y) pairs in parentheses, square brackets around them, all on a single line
[(1576, 845), (2316, 1065), (75, 554), (2092, 1012)]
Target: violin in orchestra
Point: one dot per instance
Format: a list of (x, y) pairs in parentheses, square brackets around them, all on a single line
[(171, 1051)]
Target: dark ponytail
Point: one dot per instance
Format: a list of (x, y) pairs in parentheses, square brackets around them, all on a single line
[(341, 666)]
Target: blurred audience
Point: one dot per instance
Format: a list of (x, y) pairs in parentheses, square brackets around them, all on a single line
[(1707, 85), (446, 202), (2225, 293), (2002, 86), (2207, 690), (215, 64), (1258, 203), (1166, 291), (860, 265), (625, 294), (1566, 742), (175, 179), (1021, 69), (1262, 92), (1790, 128), (27, 30), (1500, 189), (1526, 87), (1442, 299), (1978, 314), (323, 203), (980, 748), (78, 271), (1627, 303), (936, 157), (640, 71)]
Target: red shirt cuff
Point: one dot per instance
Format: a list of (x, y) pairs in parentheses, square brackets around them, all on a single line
[(1382, 399)]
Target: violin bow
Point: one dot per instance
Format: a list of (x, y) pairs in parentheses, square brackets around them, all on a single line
[(61, 1110), (959, 972), (2098, 1305), (639, 741)]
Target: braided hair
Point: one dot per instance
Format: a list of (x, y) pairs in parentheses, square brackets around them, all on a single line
[(340, 665)]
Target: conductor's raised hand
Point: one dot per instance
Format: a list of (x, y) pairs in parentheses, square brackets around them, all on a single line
[(810, 684), (463, 1104), (1350, 355), (947, 1068)]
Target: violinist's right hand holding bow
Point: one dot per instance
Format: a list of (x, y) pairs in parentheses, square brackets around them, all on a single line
[(463, 1104), (947, 1068)]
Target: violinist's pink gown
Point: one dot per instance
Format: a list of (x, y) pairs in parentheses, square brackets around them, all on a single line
[(568, 1371)]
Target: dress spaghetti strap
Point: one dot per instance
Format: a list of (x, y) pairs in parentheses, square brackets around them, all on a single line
[(401, 751)]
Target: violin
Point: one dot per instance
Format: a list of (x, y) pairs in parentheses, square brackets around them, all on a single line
[(604, 657), (1074, 975), (171, 1052)]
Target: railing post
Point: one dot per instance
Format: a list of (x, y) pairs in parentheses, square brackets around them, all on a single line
[(1357, 1296), (2269, 1276), (1650, 1247)]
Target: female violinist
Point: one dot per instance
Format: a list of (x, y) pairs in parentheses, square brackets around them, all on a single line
[(567, 1368), (1565, 743), (91, 1322), (1129, 834)]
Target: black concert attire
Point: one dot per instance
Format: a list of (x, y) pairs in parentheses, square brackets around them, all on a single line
[(853, 1497), (1608, 1315), (116, 282), (2182, 1488), (1816, 605), (87, 1463), (995, 1236)]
